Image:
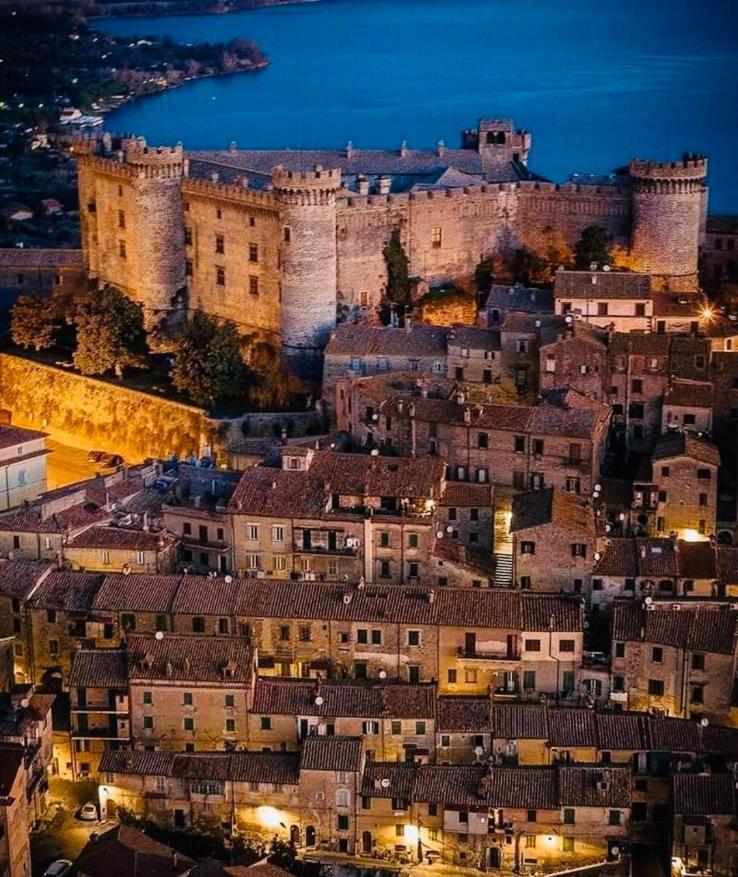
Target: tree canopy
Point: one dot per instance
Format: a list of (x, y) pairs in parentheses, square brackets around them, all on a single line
[(398, 293), (208, 364), (110, 333), (594, 247), (33, 322)]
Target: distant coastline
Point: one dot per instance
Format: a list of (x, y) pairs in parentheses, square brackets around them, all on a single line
[(163, 8)]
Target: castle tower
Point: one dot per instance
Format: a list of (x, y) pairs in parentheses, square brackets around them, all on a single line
[(498, 143), (309, 264), (668, 204), (132, 220)]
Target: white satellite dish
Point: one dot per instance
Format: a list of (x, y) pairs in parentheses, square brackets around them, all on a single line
[(648, 600), (25, 703), (449, 528), (439, 534), (382, 674), (374, 452), (704, 722), (385, 783), (568, 318), (478, 750), (319, 701), (598, 487), (228, 579), (615, 851), (159, 634)]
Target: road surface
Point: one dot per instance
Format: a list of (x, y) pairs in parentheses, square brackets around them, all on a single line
[(66, 465)]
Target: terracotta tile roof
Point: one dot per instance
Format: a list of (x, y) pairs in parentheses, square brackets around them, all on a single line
[(67, 591), (222, 659), (703, 630), (568, 413), (639, 344), (137, 593), (474, 337), (117, 537), (331, 754), (123, 851), (696, 560), (689, 394), (27, 257), (389, 779), (277, 492), (140, 762), (17, 435), (727, 564), (26, 521), (552, 506), (369, 699), (520, 298), (572, 727), (602, 285), (684, 444), (474, 559), (464, 494), (622, 731), (683, 304), (350, 339), (552, 612), (722, 740), (99, 668), (205, 596), (366, 475), (594, 786), (704, 794), (656, 558), (265, 767), (453, 786), (519, 722), (528, 788), (674, 735), (19, 577), (464, 714), (619, 558)]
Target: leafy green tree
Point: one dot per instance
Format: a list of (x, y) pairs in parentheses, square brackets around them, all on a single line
[(593, 247), (33, 322), (208, 365), (110, 333), (528, 267), (484, 275), (398, 293)]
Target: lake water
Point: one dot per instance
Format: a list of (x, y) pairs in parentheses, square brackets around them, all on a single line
[(596, 81)]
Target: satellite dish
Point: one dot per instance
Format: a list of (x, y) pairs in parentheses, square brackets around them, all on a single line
[(382, 674), (25, 703), (597, 554), (374, 452), (319, 701), (449, 528), (615, 851), (439, 534), (159, 634), (478, 750), (385, 783), (648, 600), (704, 722), (228, 579), (598, 487), (568, 318)]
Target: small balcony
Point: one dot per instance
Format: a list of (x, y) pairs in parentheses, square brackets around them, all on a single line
[(478, 655), (299, 548)]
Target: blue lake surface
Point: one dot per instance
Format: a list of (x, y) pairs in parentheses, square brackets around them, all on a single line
[(596, 81)]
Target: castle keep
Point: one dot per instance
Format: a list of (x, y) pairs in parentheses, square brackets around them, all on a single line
[(277, 240)]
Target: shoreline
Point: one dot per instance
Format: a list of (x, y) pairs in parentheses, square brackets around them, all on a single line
[(170, 10)]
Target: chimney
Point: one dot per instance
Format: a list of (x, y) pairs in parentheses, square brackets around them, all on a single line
[(232, 147), (214, 177), (169, 669), (363, 184), (467, 415), (403, 149), (350, 149), (384, 184), (441, 148)]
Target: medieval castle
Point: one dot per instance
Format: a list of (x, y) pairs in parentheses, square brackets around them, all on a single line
[(276, 240)]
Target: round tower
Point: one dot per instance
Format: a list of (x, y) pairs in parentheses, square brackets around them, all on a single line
[(156, 227), (309, 263), (668, 204)]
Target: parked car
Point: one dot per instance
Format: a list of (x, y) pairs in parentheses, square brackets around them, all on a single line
[(110, 461), (88, 812), (95, 456), (59, 868)]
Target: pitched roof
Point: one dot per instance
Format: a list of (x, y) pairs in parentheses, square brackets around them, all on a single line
[(139, 762), (118, 537), (685, 444), (704, 630), (351, 339), (619, 558), (572, 727), (520, 298), (331, 753), (704, 794), (389, 779), (99, 668), (137, 593), (222, 659), (123, 851), (474, 337), (696, 560), (594, 786), (551, 506), (67, 591), (519, 722), (689, 394), (344, 697), (463, 714), (30, 257), (602, 285), (17, 435), (18, 578), (618, 731), (465, 494)]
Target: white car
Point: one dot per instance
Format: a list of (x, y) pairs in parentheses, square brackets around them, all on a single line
[(88, 812), (59, 868)]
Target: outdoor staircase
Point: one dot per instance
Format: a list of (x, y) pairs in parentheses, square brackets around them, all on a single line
[(503, 566)]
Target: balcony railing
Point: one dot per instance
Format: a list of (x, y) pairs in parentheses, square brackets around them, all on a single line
[(299, 548), (477, 655)]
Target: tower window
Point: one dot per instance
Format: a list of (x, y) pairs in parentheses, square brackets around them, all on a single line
[(253, 285), (220, 276), (287, 234), (121, 219), (122, 249), (437, 237), (219, 244), (253, 252)]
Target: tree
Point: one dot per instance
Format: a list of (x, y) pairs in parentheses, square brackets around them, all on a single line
[(484, 275), (398, 277), (208, 365), (110, 333), (528, 267), (33, 322), (593, 247)]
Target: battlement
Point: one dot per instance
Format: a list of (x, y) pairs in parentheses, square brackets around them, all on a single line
[(229, 192), (316, 179), (691, 167)]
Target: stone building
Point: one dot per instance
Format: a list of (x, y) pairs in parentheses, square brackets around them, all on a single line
[(705, 809), (170, 228), (720, 248), (26, 271), (15, 849), (608, 299), (577, 358), (22, 465)]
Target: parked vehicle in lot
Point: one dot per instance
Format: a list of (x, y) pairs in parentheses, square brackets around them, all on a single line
[(110, 461), (88, 812), (95, 456), (59, 868)]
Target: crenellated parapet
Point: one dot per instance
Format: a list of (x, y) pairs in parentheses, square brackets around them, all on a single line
[(669, 178), (231, 193), (317, 187)]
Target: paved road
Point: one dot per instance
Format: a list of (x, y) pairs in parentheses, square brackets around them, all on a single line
[(67, 465)]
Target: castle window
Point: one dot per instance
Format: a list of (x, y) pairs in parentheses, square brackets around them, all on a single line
[(188, 267), (220, 276), (121, 219), (436, 237), (218, 213), (252, 221), (219, 244), (186, 205), (253, 252), (188, 237), (287, 234), (120, 191), (20, 278), (122, 249), (253, 285)]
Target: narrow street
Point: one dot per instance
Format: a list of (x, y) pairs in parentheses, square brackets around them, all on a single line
[(67, 464)]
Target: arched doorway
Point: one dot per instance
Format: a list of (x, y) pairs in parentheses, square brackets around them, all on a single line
[(310, 836), (111, 808), (366, 842), (295, 835), (494, 857)]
